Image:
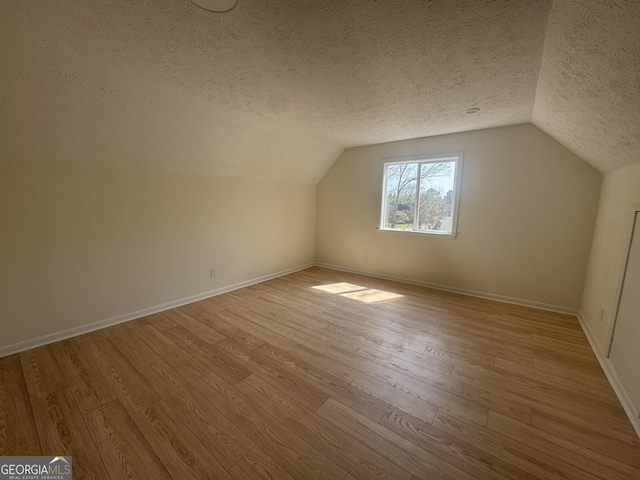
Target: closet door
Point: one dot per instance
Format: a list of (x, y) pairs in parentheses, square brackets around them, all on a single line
[(625, 349)]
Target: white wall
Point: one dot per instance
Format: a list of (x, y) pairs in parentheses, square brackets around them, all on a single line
[(82, 243), (527, 212), (620, 191)]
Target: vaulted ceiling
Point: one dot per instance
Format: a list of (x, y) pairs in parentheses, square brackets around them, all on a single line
[(277, 89)]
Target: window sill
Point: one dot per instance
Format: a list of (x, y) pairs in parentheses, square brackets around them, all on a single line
[(450, 236)]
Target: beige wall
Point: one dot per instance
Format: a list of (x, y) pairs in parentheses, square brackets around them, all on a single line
[(80, 243), (527, 212), (620, 191)]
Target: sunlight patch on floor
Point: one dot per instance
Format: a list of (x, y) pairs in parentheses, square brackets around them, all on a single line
[(357, 292), (370, 296), (339, 287)]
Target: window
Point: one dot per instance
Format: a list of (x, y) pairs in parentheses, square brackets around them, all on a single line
[(421, 194)]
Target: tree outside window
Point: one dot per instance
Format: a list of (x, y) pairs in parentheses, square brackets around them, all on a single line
[(420, 195)]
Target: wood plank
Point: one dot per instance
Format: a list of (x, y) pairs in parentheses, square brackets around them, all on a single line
[(137, 323), (413, 365), (131, 388), (41, 372), (451, 394), (230, 370), (180, 315), (290, 451), (344, 450), (205, 421), (295, 335), (161, 321), (441, 354), (419, 462), (123, 447), (225, 440), (574, 401), (147, 363), (257, 465), (371, 336), (623, 451), (177, 448), (559, 378), (392, 394), (329, 384), (87, 384), (511, 373), (543, 321), (572, 453), (509, 450), (475, 461), (546, 399), (195, 314), (201, 329), (580, 346), (62, 431), (267, 307), (234, 325), (186, 365), (300, 391), (566, 367), (18, 435), (479, 345)]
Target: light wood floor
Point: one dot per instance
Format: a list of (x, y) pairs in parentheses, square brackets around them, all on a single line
[(282, 380)]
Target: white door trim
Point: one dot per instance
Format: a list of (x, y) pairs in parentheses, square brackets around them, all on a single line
[(635, 217)]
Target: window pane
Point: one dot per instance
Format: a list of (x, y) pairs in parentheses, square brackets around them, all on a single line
[(400, 195), (436, 197)]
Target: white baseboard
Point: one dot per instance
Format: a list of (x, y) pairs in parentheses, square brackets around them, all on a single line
[(471, 293), (610, 372), (91, 327)]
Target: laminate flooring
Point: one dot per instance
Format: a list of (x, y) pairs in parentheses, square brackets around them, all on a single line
[(323, 375)]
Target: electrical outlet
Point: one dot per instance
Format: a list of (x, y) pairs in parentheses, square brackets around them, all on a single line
[(214, 272)]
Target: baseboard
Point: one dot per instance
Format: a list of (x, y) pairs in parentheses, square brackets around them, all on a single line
[(108, 322), (463, 291), (610, 372)]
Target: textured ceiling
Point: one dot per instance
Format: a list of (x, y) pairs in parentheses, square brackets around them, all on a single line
[(588, 95), (276, 89)]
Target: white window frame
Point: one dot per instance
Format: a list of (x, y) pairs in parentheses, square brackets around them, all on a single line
[(456, 157)]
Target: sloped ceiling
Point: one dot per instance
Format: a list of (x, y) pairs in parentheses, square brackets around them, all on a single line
[(588, 94), (276, 89)]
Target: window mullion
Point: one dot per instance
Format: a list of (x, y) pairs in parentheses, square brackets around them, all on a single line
[(416, 211)]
